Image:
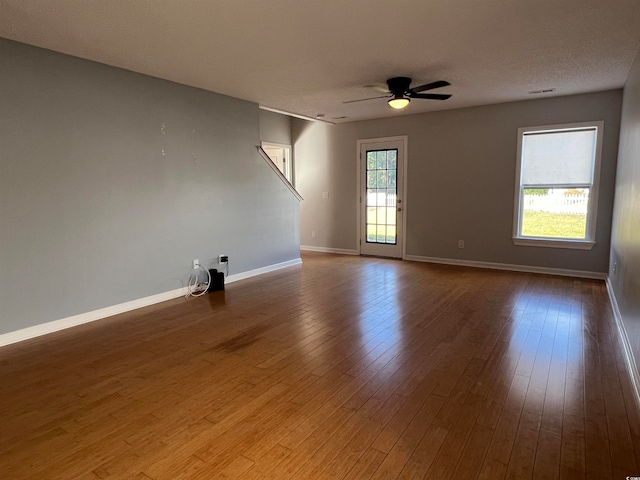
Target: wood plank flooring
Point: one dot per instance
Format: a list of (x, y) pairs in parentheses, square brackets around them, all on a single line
[(342, 368)]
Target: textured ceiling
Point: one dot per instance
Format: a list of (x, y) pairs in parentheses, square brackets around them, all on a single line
[(308, 57)]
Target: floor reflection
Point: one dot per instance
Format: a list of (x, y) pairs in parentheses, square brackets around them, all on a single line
[(548, 332), (380, 319)]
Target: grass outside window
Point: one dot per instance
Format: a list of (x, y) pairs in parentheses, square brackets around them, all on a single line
[(554, 225)]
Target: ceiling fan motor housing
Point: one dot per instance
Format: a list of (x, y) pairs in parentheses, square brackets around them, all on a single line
[(399, 85)]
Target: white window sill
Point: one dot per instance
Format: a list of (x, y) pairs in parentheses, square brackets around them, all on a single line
[(554, 243)]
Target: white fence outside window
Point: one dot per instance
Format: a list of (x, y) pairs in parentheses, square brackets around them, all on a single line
[(557, 203)]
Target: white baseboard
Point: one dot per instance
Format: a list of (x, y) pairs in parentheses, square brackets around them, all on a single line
[(340, 251), (507, 266), (64, 323), (259, 271), (472, 263), (630, 360)]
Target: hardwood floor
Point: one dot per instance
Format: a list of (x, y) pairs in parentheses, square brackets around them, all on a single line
[(345, 367)]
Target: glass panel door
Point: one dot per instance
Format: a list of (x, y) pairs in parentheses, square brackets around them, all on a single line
[(381, 198)]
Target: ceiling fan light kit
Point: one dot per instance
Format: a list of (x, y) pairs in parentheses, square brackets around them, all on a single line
[(399, 102)]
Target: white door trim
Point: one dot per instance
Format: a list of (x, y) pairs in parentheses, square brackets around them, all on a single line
[(405, 140), (289, 167)]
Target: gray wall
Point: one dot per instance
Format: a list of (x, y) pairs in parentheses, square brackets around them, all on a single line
[(461, 177), (625, 235), (275, 127), (93, 214)]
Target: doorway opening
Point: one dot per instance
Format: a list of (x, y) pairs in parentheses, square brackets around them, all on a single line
[(280, 155)]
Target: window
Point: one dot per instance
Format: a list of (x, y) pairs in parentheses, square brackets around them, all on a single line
[(557, 185)]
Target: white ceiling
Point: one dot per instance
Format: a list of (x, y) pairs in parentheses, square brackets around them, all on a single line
[(308, 56)]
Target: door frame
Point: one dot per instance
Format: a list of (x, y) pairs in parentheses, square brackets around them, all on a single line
[(289, 160), (405, 141)]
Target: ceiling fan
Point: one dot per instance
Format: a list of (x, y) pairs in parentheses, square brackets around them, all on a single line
[(400, 93)]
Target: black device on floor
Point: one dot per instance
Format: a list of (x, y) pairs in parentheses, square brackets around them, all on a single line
[(217, 280)]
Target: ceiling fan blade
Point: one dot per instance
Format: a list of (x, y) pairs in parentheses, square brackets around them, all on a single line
[(378, 88), (430, 96), (365, 99), (430, 86)]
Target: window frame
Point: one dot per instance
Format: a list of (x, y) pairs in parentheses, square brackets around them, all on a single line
[(594, 187)]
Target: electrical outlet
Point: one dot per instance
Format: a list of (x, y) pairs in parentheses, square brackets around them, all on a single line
[(313, 234), (196, 263), (460, 243), (615, 267), (223, 258)]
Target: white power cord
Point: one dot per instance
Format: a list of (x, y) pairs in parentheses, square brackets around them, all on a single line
[(197, 290)]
